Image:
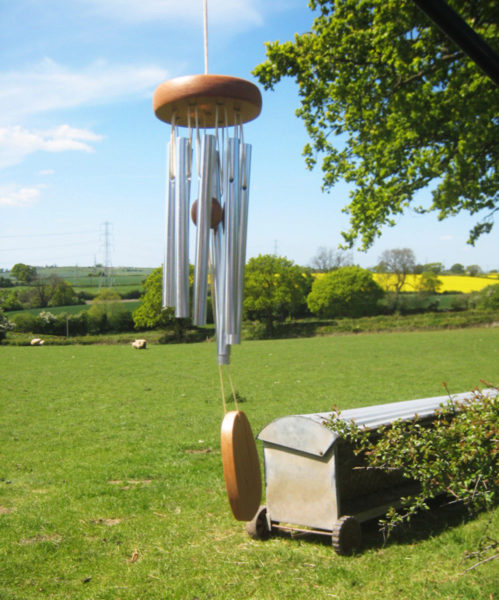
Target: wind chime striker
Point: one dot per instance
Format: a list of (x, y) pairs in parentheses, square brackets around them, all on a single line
[(222, 104)]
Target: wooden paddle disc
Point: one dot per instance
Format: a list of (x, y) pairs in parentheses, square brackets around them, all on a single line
[(241, 466), (230, 100)]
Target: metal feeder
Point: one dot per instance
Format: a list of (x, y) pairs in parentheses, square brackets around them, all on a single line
[(312, 480)]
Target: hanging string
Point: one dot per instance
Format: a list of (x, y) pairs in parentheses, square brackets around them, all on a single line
[(205, 27), (220, 374), (234, 395)]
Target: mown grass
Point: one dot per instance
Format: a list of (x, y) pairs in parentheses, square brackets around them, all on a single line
[(111, 483)]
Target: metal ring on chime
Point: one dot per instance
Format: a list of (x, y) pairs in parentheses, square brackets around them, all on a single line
[(199, 102)]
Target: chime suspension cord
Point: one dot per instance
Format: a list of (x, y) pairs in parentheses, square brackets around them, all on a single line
[(205, 28), (220, 374), (234, 395), (222, 388)]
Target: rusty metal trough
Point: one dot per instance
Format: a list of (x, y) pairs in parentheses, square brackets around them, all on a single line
[(311, 481)]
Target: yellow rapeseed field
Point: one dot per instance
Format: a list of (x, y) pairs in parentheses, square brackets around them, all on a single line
[(450, 283)]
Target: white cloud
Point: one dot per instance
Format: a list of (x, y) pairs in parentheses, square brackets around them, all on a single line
[(46, 172), (18, 196), (446, 238), (236, 14), (16, 142), (49, 86)]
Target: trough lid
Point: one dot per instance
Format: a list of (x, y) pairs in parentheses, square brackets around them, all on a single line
[(307, 433)]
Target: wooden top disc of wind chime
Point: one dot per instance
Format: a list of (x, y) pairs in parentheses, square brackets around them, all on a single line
[(230, 99), (241, 466)]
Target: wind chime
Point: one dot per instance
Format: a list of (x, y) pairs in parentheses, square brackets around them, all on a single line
[(207, 113)]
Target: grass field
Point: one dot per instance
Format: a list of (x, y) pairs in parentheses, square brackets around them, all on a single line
[(111, 484), (72, 309)]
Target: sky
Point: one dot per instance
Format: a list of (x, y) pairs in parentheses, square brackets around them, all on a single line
[(82, 156)]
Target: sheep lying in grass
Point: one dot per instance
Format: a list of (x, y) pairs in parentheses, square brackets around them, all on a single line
[(37, 342), (139, 344)]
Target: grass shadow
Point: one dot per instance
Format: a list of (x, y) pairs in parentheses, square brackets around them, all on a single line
[(424, 525)]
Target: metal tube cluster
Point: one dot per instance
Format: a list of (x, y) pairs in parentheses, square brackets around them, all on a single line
[(224, 172)]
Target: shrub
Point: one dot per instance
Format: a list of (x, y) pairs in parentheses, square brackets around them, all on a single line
[(5, 325), (25, 322), (457, 454), (347, 292), (488, 298), (12, 301), (121, 320)]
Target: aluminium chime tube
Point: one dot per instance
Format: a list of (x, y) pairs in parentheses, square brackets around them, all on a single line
[(218, 273), (169, 261), (217, 254), (231, 220), (208, 163), (241, 238), (182, 201)]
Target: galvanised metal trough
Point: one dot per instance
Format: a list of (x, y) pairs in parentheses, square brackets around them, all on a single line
[(311, 480)]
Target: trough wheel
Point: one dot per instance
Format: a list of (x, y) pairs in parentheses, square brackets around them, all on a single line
[(346, 535), (258, 527)]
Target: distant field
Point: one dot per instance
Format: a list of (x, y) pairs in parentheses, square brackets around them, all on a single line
[(121, 289), (89, 276), (450, 283), (111, 483), (72, 309)]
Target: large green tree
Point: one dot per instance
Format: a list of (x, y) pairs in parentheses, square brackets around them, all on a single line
[(392, 106), (347, 292), (24, 273), (150, 313), (274, 288)]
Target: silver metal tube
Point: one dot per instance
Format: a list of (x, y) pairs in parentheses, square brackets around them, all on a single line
[(217, 253), (218, 269), (241, 238), (169, 260), (231, 218), (182, 201), (208, 159)]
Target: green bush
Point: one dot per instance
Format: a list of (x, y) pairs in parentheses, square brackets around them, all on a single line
[(488, 298), (121, 320), (456, 454), (347, 292), (5, 325), (25, 322), (11, 301)]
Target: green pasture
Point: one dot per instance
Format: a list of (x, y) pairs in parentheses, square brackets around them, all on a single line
[(119, 288), (89, 276), (111, 484), (71, 309)]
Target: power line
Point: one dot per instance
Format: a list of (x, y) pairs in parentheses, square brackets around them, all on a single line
[(44, 247), (32, 235)]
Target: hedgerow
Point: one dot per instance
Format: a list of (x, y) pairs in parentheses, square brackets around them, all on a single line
[(456, 454)]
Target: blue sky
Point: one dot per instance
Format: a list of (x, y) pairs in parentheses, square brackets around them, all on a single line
[(80, 145)]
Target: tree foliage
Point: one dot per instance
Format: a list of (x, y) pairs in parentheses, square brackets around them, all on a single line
[(393, 106), (429, 283), (327, 259), (397, 263), (151, 313), (347, 292), (24, 273), (274, 288), (488, 298), (5, 325)]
